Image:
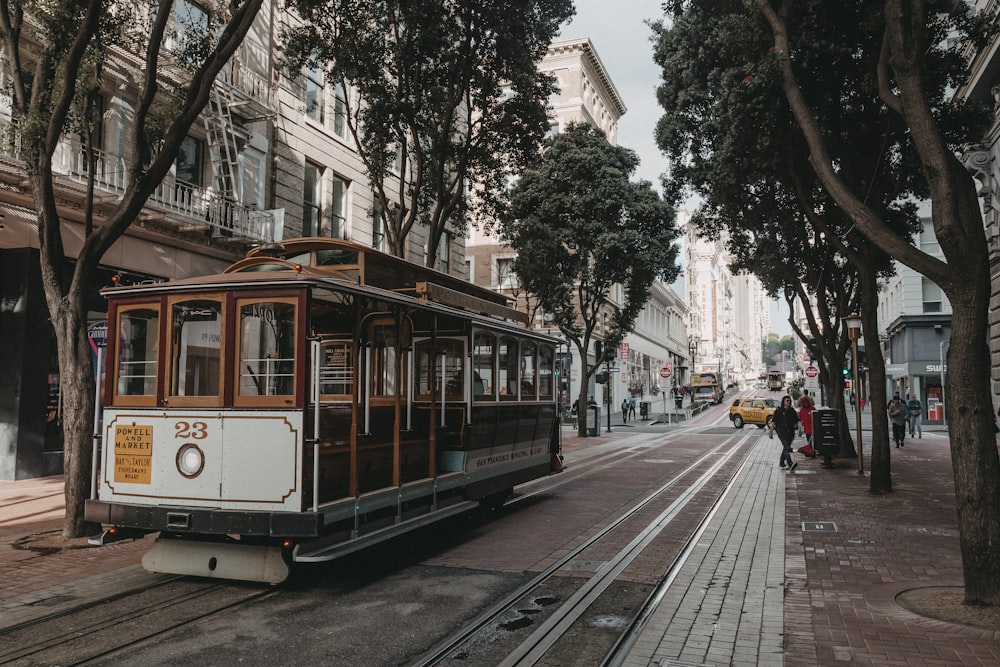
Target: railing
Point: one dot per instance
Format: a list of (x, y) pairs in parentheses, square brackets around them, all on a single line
[(200, 206)]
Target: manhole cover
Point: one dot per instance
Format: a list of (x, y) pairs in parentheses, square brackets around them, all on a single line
[(819, 526)]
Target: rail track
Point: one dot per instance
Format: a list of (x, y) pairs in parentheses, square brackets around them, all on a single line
[(684, 503)]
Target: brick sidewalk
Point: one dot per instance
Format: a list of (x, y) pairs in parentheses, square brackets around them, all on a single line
[(841, 581)]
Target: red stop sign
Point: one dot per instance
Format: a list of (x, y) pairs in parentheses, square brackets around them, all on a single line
[(665, 372)]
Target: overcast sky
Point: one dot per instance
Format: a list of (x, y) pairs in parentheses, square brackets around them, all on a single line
[(622, 40)]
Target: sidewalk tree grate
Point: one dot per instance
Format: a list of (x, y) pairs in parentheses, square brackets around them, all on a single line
[(819, 526)]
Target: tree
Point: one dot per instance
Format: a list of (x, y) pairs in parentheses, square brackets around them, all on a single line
[(444, 94), (910, 34), (910, 60), (726, 110), (56, 54), (580, 227)]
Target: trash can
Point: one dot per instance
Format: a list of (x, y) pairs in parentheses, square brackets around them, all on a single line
[(644, 410), (593, 420), (679, 402)]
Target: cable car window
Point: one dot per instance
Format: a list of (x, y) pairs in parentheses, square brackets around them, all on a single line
[(336, 373), (482, 367), (545, 384), (529, 388), (507, 369), (450, 353), (138, 350), (196, 348), (266, 356), (385, 371)]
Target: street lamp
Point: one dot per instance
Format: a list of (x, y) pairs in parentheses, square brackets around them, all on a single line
[(853, 322), (693, 341)]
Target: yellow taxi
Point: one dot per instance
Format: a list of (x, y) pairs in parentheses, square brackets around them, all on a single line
[(752, 411)]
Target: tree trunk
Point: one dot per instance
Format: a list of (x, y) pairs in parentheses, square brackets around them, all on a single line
[(881, 471), (76, 370), (974, 457)]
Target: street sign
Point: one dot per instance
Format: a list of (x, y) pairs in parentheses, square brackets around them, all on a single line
[(811, 372), (624, 351), (666, 372)]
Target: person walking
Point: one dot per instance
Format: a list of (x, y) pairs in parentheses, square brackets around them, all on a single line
[(631, 407), (916, 409), (898, 414), (624, 410), (806, 418), (784, 422)]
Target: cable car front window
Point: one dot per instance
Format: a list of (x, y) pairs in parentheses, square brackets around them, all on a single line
[(138, 345), (267, 348), (197, 348)]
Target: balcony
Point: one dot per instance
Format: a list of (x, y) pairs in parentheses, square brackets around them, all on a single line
[(185, 207)]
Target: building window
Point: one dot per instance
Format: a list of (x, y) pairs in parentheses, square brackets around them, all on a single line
[(190, 26), (378, 226), (505, 277), (339, 110), (190, 162), (444, 253), (312, 209), (928, 241), (338, 209), (253, 177), (931, 296), (314, 94)]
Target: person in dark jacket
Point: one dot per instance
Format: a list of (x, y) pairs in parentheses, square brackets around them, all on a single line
[(784, 421)]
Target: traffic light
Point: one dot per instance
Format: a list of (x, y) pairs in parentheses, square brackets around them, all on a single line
[(847, 373)]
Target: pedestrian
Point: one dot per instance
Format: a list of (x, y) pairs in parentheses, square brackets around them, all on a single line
[(631, 407), (806, 399), (916, 409), (624, 410), (806, 418), (852, 400), (784, 421), (898, 414)]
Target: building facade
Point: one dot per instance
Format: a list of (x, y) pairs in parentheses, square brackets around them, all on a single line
[(730, 315), (917, 320)]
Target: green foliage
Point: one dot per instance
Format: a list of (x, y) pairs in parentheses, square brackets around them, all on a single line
[(453, 85), (732, 138), (580, 227)]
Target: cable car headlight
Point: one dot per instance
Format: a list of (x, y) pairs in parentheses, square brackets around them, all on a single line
[(190, 460)]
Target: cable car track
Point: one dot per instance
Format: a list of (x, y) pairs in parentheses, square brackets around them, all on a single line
[(100, 629), (711, 468)]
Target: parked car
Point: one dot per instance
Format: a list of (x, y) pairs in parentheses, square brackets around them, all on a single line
[(757, 411)]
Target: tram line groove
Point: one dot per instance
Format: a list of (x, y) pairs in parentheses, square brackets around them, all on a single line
[(85, 634), (605, 576)]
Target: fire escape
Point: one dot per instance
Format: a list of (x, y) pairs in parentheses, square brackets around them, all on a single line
[(240, 97)]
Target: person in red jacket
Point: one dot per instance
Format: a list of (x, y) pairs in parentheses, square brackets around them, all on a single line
[(806, 418)]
